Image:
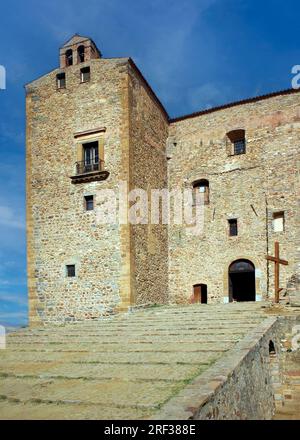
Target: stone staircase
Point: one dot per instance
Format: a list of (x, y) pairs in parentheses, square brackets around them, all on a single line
[(125, 367)]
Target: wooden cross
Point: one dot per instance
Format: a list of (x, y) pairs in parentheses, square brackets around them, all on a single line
[(277, 262)]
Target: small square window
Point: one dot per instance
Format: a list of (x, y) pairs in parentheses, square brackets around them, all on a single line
[(278, 221), (61, 80), (237, 140), (71, 270), (233, 227), (89, 203), (85, 74)]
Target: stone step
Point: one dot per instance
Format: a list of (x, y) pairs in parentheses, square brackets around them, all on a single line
[(156, 325), (68, 411), (128, 340), (165, 372), (196, 357), (126, 366), (133, 346), (139, 331), (140, 394)]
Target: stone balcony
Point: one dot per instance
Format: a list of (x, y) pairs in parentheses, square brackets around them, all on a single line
[(89, 172)]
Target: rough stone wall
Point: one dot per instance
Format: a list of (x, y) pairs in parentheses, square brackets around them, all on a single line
[(148, 170), (60, 231), (248, 392), (239, 386), (249, 187)]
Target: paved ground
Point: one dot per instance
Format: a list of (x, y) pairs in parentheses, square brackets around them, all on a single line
[(126, 367)]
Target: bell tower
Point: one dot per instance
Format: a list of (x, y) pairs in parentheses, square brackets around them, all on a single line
[(78, 50)]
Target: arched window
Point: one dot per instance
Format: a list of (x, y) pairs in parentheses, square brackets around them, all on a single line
[(238, 141), (80, 54), (69, 57), (201, 187), (272, 350)]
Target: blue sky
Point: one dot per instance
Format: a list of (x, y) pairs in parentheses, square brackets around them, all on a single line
[(194, 53)]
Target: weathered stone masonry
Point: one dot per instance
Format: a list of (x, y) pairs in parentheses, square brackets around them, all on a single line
[(117, 265), (249, 187)]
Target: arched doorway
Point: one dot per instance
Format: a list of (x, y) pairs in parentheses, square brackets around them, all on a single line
[(242, 281)]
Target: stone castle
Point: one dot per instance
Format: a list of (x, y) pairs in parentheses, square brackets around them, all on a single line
[(95, 122)]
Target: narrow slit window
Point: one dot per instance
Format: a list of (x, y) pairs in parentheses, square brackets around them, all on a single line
[(89, 203), (233, 227), (69, 57), (278, 221), (71, 271), (85, 74), (61, 80)]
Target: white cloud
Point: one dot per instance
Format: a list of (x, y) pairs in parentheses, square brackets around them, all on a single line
[(72, 16), (10, 219), (206, 96), (13, 315), (4, 282), (13, 298)]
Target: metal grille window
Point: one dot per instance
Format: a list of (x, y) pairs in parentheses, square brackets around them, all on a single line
[(71, 272), (240, 146), (89, 203), (237, 140), (85, 74), (233, 227), (61, 80)]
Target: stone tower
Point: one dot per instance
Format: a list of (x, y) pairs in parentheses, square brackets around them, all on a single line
[(91, 124)]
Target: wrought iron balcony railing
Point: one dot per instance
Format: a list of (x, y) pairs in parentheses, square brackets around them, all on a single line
[(85, 167), (89, 171)]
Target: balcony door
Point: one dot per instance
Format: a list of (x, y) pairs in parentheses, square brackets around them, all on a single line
[(91, 156)]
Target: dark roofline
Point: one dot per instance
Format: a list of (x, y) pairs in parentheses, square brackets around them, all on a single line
[(149, 88), (234, 104)]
